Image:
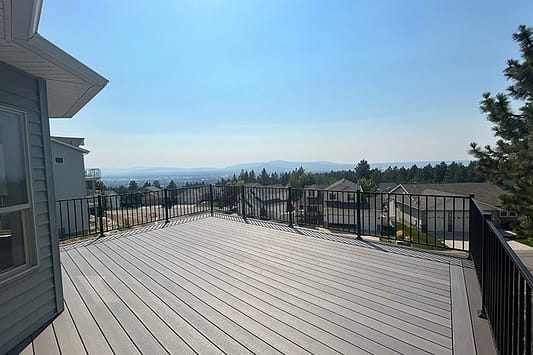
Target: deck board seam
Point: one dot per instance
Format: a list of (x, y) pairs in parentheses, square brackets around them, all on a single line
[(67, 309)]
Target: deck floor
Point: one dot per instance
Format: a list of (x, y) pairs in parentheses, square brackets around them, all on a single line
[(215, 285)]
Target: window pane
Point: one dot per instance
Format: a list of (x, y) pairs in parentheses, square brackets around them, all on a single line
[(11, 241), (13, 187)]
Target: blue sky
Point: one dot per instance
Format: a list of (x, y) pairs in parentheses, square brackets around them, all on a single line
[(213, 83)]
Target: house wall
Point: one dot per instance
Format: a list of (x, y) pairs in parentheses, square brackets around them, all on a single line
[(27, 303), (370, 219), (69, 182), (70, 175), (444, 224)]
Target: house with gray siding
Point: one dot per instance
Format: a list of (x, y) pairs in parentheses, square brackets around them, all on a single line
[(69, 183), (38, 81), (448, 213)]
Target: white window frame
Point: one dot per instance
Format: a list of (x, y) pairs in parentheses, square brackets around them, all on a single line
[(26, 209)]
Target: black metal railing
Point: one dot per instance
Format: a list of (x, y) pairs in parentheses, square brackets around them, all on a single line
[(505, 283), (429, 221), (96, 215)]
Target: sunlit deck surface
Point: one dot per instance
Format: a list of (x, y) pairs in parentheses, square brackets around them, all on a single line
[(219, 285)]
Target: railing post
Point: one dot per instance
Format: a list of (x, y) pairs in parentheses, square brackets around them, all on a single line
[(166, 205), (290, 208), (243, 201), (211, 198), (482, 313), (359, 215), (100, 216)]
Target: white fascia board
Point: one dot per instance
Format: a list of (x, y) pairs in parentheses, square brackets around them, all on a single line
[(79, 71), (397, 187), (55, 55)]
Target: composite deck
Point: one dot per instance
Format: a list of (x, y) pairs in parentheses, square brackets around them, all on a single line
[(215, 285)]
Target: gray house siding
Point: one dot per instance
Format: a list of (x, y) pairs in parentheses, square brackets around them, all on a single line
[(69, 183), (29, 302)]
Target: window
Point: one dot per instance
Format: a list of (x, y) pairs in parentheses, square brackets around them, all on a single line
[(351, 197), (503, 213), (512, 214), (332, 196), (59, 160), (16, 225)]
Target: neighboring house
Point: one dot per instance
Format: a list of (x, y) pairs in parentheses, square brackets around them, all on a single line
[(152, 196), (340, 208), (447, 211), (38, 80), (69, 182), (310, 206), (111, 200), (386, 186), (266, 201), (340, 204), (92, 177)]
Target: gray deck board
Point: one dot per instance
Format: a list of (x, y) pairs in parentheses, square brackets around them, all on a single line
[(368, 301), (213, 324), (152, 320), (111, 328), (290, 325), (83, 319), (28, 350), (47, 342), (463, 339), (357, 265), (233, 311), (171, 313), (68, 339), (333, 275), (325, 248), (215, 285), (378, 321)]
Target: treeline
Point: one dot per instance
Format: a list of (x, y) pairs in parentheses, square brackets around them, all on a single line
[(367, 177)]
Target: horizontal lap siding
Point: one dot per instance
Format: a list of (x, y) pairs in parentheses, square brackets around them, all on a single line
[(28, 302)]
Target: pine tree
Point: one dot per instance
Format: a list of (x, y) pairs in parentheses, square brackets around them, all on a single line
[(362, 170), (132, 186), (510, 162)]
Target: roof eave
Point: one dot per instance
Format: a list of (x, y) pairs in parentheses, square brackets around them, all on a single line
[(55, 55), (21, 24)]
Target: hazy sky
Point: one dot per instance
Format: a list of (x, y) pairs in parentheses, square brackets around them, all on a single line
[(213, 83)]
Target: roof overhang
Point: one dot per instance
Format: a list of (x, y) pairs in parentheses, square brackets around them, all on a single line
[(70, 83), (73, 147)]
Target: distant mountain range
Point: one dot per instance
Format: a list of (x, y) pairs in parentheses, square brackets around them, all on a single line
[(279, 166)]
